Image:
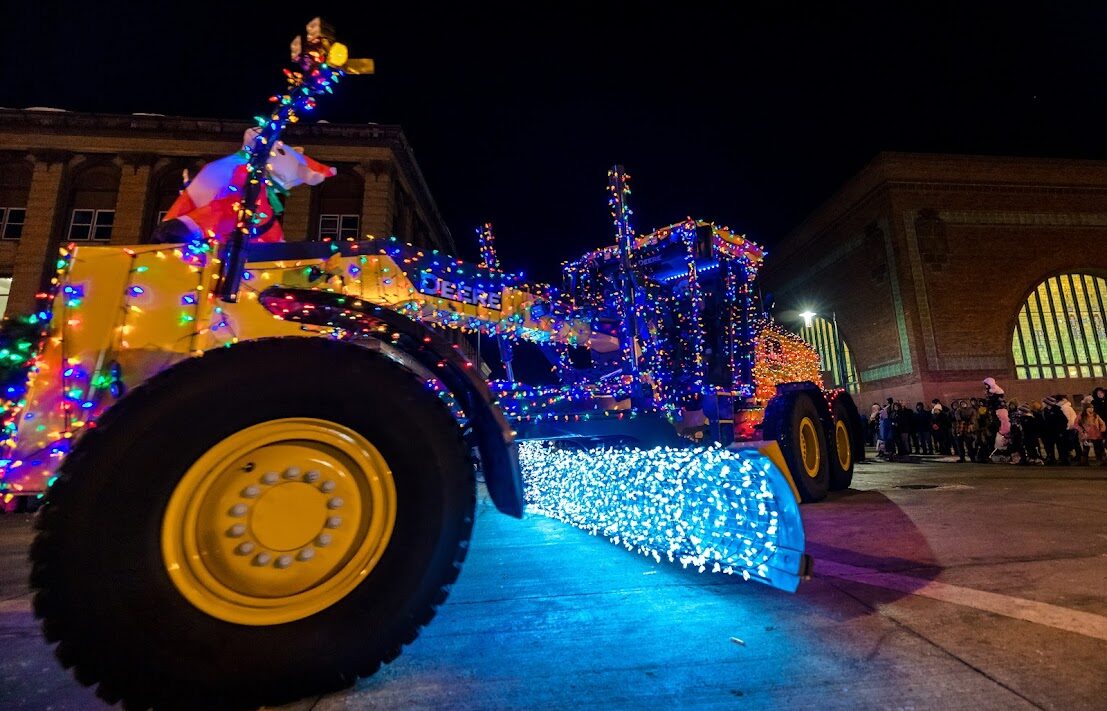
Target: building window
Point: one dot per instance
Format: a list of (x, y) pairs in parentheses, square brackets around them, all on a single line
[(835, 359), (338, 204), (90, 224), (91, 203), (5, 289), (11, 222), (1061, 330), (15, 184), (339, 227)]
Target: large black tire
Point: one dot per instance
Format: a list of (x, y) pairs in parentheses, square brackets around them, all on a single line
[(102, 590), (795, 422), (847, 444)]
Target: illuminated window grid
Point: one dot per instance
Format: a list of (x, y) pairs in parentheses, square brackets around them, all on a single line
[(1061, 331), (820, 336)]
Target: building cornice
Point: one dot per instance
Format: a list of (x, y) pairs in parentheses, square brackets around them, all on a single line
[(33, 130), (215, 129), (948, 172)]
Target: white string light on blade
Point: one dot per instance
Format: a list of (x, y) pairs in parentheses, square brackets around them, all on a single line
[(709, 508)]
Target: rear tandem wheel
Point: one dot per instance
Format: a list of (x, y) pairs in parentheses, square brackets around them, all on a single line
[(847, 444), (794, 421)]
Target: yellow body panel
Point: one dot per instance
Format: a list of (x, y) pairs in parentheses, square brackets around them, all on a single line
[(136, 310)]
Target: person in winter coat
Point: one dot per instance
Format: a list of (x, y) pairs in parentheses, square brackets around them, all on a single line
[(940, 423), (1091, 428), (873, 430), (1037, 408), (1060, 421), (997, 405), (1071, 436), (1012, 444), (1053, 429), (923, 422), (1027, 422), (887, 437), (964, 418), (1099, 402), (905, 425), (985, 432)]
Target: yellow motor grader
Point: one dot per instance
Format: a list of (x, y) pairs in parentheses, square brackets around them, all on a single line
[(258, 459)]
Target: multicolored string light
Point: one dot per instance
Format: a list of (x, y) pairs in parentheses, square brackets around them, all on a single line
[(313, 77), (780, 356)]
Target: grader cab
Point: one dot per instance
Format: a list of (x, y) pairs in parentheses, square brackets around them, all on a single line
[(678, 348)]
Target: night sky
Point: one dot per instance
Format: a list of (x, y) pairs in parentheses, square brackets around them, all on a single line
[(750, 116)]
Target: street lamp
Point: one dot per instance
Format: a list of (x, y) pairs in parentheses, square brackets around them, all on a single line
[(839, 355)]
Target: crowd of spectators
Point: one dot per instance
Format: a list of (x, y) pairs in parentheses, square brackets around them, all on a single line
[(993, 429)]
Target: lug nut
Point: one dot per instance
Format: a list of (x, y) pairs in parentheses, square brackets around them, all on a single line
[(238, 510), (270, 478), (328, 486), (335, 503), (323, 539), (262, 559), (244, 548), (334, 522), (251, 491), (292, 473), (306, 554), (236, 530), (284, 561), (312, 476)]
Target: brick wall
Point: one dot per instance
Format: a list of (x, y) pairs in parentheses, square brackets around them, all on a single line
[(926, 261)]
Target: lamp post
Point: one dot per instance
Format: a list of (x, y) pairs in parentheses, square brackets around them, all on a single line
[(839, 352), (808, 317)]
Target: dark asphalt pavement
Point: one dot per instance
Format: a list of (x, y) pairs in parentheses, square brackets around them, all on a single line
[(937, 586)]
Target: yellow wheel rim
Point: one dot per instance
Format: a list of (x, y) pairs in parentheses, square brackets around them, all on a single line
[(278, 521), (810, 456), (842, 445)]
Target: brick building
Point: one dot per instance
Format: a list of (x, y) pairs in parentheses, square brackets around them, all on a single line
[(942, 270), (108, 178)]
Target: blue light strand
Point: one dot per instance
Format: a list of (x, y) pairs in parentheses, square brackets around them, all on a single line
[(711, 509)]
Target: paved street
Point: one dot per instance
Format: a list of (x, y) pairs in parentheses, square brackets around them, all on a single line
[(937, 585)]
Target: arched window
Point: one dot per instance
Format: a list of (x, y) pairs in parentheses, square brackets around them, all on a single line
[(167, 188), (339, 207), (835, 359), (92, 200), (15, 183), (1061, 331)]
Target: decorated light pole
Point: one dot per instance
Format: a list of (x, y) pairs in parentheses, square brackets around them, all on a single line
[(320, 63), (618, 185), (489, 260)]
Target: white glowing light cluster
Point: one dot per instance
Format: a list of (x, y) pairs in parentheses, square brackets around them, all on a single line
[(709, 508)]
